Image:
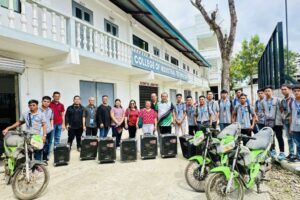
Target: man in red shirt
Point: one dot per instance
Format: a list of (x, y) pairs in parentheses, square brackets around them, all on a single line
[(58, 118)]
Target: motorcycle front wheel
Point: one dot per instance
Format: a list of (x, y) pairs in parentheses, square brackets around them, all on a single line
[(216, 188), (192, 176), (38, 182)]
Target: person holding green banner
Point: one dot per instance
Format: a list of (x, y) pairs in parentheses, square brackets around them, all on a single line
[(148, 119), (166, 115)]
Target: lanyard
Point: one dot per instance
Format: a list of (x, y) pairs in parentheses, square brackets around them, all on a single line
[(201, 111), (224, 104), (270, 102), (243, 111), (178, 106), (92, 111)]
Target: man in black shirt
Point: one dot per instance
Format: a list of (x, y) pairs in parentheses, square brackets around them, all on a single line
[(74, 121), (89, 118), (103, 117)]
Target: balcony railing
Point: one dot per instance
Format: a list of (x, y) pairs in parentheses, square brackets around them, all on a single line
[(41, 21)]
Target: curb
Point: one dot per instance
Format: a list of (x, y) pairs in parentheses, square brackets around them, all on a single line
[(292, 167)]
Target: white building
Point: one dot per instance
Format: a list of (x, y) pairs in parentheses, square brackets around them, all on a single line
[(124, 49), (205, 41)]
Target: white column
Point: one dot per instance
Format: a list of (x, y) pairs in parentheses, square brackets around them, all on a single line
[(11, 14), (63, 29), (34, 19), (23, 16), (78, 38), (91, 40), (110, 47), (96, 42), (84, 38), (44, 23), (53, 30)]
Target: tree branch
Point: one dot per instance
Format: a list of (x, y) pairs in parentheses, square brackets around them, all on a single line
[(233, 24), (211, 21)]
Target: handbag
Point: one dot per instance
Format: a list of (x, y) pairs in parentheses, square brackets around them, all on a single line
[(140, 122)]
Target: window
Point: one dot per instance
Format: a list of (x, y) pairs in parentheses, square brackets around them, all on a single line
[(197, 73), (82, 13), (156, 51), (188, 68), (183, 66), (194, 72), (140, 43), (16, 5), (111, 28), (167, 57), (174, 61)]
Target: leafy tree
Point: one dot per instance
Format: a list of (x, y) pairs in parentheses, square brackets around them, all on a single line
[(244, 65), (292, 63)]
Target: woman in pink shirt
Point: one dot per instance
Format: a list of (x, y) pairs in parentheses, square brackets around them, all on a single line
[(149, 117), (117, 115)]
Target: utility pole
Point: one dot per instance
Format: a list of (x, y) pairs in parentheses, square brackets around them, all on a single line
[(287, 39)]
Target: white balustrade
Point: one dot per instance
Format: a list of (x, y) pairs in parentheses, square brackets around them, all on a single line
[(23, 16), (11, 14), (44, 23), (53, 30), (34, 19), (63, 29)]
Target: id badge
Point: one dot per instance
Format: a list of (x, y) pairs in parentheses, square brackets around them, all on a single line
[(298, 121), (91, 121)]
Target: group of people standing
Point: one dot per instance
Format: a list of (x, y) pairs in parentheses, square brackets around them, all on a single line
[(50, 119)]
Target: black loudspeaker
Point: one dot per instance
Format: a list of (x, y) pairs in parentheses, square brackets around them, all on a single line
[(89, 147), (61, 154), (148, 146), (188, 148), (168, 145), (106, 150), (128, 150)]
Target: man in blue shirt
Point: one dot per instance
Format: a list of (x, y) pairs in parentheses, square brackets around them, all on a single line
[(236, 100)]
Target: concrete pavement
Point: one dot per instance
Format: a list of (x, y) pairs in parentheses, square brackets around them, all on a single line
[(161, 179)]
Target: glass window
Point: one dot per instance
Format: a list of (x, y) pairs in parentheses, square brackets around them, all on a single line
[(111, 28), (183, 66), (156, 51), (188, 68), (16, 5), (174, 61), (82, 12), (166, 57), (140, 43)]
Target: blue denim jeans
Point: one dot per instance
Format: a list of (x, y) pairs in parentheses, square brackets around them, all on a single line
[(56, 134), (47, 146), (38, 155), (296, 139), (289, 139), (223, 125), (104, 132)]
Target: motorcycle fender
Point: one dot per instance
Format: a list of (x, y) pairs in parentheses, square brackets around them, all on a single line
[(199, 159), (225, 170)]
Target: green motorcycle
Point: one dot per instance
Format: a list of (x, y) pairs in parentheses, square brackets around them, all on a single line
[(29, 178), (246, 167), (209, 141)]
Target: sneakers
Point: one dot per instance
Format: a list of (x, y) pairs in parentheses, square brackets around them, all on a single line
[(289, 156), (293, 159), (273, 153), (281, 156)]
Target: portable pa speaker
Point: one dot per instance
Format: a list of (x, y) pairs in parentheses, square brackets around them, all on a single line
[(89, 147), (61, 154), (168, 145), (106, 150), (128, 150), (148, 146), (188, 148)]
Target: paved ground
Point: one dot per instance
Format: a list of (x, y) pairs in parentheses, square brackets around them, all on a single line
[(161, 179)]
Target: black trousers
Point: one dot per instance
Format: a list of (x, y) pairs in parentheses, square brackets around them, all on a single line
[(246, 132), (91, 131), (72, 133), (214, 125), (278, 133), (132, 131), (192, 130), (165, 129)]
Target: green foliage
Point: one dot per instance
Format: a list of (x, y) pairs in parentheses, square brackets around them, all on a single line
[(244, 64), (292, 62)]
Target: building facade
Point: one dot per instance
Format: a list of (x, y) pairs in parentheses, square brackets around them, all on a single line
[(205, 41), (123, 49)]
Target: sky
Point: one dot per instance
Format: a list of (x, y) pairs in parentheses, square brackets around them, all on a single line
[(254, 17)]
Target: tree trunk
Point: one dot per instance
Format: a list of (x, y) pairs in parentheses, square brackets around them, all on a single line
[(252, 93), (225, 84)]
